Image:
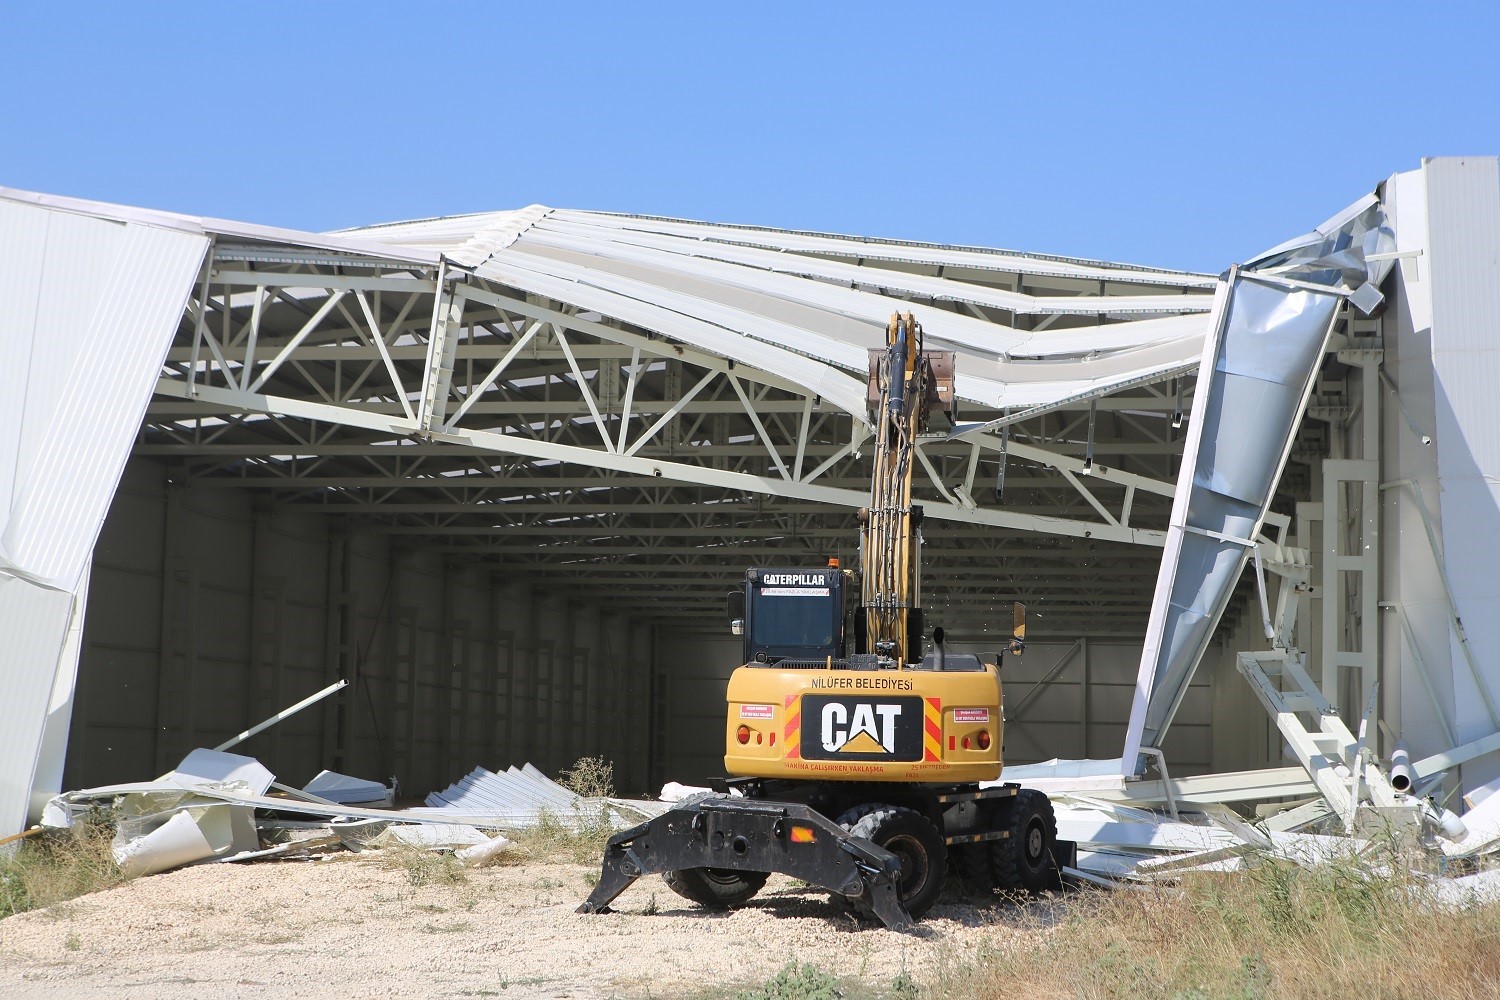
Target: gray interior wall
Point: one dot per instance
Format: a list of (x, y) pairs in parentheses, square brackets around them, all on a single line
[(209, 612), (1243, 736), (1081, 712)]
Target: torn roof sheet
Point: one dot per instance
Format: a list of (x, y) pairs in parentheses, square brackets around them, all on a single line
[(803, 305), (818, 297)]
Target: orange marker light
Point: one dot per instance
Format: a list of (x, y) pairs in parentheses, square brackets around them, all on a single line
[(743, 735), (802, 835)]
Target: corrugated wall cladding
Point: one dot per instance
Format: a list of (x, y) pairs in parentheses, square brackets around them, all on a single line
[(208, 613), (88, 308), (1463, 217)]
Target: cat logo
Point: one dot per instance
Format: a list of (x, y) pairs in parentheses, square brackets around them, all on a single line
[(861, 734), (840, 727)]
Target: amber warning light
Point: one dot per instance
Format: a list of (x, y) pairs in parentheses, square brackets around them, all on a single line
[(802, 835)]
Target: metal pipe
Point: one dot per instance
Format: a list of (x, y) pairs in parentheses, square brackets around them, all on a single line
[(283, 714), (1401, 767)]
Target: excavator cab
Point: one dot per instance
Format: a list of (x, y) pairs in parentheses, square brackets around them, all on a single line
[(790, 614)]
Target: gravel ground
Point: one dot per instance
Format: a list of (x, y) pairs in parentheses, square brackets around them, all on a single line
[(352, 927)]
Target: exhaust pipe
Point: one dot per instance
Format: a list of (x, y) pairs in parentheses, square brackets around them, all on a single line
[(1401, 768)]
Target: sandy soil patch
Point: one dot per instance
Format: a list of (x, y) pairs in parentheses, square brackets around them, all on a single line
[(351, 927)]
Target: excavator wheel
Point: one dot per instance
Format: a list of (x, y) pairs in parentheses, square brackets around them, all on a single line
[(715, 888), (910, 836), (976, 870), (1023, 861)]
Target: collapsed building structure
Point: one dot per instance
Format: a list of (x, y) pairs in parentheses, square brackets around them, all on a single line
[(497, 471)]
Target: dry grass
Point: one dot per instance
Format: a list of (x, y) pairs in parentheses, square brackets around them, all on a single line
[(57, 867), (1357, 928), (424, 866), (590, 778), (580, 837)]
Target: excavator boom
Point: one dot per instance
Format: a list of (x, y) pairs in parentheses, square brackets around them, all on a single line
[(907, 383)]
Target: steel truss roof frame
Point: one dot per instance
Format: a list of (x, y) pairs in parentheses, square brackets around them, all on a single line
[(435, 401), (553, 389)]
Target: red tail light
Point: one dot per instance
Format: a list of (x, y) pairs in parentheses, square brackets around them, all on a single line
[(984, 739), (743, 735)]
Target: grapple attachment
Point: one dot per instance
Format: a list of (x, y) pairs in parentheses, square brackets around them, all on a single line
[(745, 835)]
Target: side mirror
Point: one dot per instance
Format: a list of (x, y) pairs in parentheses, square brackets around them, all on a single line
[(1018, 630), (736, 604)]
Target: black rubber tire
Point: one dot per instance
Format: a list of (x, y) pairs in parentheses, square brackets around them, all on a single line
[(1023, 861), (976, 869), (910, 836), (715, 888)]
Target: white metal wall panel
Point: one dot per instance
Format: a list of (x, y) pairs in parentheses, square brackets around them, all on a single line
[(79, 449), (34, 624), (1463, 206), (53, 751), (88, 308), (1410, 573)]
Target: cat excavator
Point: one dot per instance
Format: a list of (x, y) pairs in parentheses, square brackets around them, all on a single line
[(857, 761)]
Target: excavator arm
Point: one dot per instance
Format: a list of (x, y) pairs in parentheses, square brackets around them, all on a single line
[(907, 382)]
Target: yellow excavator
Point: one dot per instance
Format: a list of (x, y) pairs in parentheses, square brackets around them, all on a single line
[(855, 758)]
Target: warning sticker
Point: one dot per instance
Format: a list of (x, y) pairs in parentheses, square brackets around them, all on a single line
[(757, 712), (794, 591), (971, 715)]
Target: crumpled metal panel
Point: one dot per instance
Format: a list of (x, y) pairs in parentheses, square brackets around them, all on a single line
[(1256, 374), (1271, 323)]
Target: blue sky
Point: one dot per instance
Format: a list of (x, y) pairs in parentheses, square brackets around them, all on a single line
[(1183, 135)]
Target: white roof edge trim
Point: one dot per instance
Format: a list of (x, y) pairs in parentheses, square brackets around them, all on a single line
[(204, 226)]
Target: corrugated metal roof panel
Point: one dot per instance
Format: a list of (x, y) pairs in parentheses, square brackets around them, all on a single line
[(941, 289), (202, 225), (935, 254)]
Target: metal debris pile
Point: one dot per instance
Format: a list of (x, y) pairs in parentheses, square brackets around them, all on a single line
[(217, 806), (1134, 832)]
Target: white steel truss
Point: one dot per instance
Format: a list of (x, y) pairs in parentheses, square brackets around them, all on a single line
[(428, 401)]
